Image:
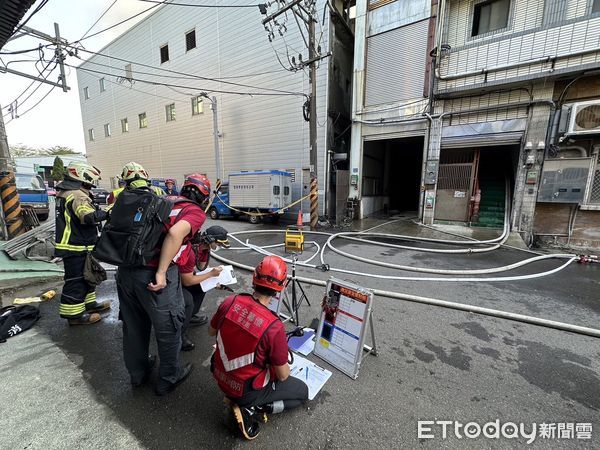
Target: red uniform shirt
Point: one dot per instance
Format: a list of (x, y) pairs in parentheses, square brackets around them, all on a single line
[(187, 260), (272, 348), (192, 214)]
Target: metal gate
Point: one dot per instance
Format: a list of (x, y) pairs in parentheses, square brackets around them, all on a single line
[(455, 185)]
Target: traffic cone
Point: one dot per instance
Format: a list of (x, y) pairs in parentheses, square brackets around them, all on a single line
[(299, 223)]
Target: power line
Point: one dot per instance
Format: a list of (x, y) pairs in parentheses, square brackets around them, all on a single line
[(116, 24), (190, 75), (39, 101), (155, 83), (35, 11), (166, 2), (98, 20)]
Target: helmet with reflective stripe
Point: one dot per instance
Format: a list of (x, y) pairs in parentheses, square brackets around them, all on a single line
[(84, 172), (270, 273), (133, 171), (196, 187)]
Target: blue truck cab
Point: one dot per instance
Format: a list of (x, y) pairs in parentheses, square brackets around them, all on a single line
[(32, 192), (219, 206)]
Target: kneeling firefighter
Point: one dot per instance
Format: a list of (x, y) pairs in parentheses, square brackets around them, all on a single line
[(77, 221), (250, 362)]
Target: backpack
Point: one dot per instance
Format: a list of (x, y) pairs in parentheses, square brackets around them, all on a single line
[(15, 320), (135, 228)]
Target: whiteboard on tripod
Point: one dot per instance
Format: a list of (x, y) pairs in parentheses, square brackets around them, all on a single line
[(343, 325)]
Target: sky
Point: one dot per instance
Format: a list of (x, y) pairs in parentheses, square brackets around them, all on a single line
[(57, 119)]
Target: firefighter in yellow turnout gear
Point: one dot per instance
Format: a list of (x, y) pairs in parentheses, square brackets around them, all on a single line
[(133, 176), (77, 220)]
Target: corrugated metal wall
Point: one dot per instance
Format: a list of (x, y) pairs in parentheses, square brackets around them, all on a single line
[(533, 31), (396, 64), (257, 132)]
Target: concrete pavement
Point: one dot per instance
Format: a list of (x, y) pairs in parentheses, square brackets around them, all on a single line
[(434, 364)]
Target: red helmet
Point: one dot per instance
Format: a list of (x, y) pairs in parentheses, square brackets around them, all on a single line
[(198, 180), (170, 180), (270, 273)]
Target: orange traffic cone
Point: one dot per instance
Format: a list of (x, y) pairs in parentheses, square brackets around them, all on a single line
[(299, 223)]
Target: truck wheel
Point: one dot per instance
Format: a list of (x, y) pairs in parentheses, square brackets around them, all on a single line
[(254, 220), (213, 213)]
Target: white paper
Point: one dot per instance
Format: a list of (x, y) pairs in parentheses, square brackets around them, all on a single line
[(314, 376), (227, 276)]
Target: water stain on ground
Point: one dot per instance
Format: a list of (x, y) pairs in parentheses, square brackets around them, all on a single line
[(455, 357), (424, 356), (487, 351), (555, 370), (475, 329)]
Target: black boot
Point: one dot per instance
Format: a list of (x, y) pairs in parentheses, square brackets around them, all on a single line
[(246, 420), (186, 344)]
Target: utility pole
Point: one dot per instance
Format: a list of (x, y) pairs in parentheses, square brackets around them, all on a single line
[(213, 102), (10, 216), (305, 11)]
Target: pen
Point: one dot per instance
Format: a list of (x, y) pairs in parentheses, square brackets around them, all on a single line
[(306, 374)]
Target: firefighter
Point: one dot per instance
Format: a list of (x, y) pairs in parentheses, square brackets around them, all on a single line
[(250, 362), (151, 296), (77, 220), (170, 187), (135, 176)]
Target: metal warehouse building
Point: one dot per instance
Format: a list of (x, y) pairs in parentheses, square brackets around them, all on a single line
[(133, 108)]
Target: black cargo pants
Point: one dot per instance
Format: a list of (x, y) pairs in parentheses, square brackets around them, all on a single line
[(140, 309)]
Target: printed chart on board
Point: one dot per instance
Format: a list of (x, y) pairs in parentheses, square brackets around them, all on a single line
[(343, 324)]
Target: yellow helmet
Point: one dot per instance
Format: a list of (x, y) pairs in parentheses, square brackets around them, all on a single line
[(133, 171), (84, 172)]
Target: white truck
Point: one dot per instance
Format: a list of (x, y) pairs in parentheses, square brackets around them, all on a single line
[(263, 191)]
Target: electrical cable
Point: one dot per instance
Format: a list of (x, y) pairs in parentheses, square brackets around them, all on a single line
[(35, 11), (166, 2), (184, 75), (98, 19), (154, 83), (39, 101), (115, 25)]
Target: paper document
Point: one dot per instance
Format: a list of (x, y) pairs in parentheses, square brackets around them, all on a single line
[(314, 376), (227, 276), (303, 344)]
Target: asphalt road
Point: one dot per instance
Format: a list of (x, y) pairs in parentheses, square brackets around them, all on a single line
[(433, 363)]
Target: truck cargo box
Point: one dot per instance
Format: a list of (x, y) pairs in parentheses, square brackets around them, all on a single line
[(260, 190)]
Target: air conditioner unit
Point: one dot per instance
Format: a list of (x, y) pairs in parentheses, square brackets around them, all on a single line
[(584, 118)]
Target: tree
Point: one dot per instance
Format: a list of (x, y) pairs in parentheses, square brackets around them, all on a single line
[(62, 150), (58, 169), (21, 150)]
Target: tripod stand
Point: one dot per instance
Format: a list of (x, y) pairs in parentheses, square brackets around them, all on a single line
[(291, 300)]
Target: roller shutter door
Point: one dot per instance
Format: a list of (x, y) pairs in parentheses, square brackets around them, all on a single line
[(396, 64), (482, 140)]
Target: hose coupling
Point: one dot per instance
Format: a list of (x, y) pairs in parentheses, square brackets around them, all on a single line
[(588, 259), (323, 267)]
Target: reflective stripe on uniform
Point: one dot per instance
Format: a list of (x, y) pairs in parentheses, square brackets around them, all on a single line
[(67, 232), (71, 310), (236, 363), (90, 297), (74, 248), (83, 210)]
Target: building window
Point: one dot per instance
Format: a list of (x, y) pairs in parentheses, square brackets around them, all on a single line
[(102, 87), (107, 130), (596, 6), (490, 16), (197, 106), (170, 110), (554, 11), (91, 134), (143, 120), (124, 125), (190, 40), (128, 72), (86, 93), (164, 54)]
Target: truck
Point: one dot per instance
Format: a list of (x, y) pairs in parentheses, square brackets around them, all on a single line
[(32, 192), (262, 191)]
